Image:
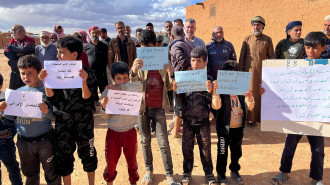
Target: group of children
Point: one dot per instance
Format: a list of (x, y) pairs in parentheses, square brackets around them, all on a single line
[(38, 142)]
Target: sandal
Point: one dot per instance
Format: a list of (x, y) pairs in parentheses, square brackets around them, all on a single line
[(211, 179), (147, 179), (280, 178), (186, 179)]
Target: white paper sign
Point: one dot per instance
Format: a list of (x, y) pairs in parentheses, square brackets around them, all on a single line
[(296, 93), (123, 102), (63, 74), (23, 103)]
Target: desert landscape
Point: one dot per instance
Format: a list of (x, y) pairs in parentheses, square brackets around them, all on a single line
[(261, 156)]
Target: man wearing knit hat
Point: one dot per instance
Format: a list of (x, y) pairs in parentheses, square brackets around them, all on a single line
[(46, 50), (293, 46), (326, 31), (97, 53), (255, 48)]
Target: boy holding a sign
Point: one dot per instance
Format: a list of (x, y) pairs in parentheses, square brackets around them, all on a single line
[(230, 128), (7, 145), (35, 135), (315, 44), (121, 126), (156, 84), (74, 122), (195, 113)]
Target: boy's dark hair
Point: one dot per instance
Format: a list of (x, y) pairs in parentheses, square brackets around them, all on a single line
[(28, 61), (103, 30), (147, 36), (199, 52), (230, 65), (315, 38), (119, 67), (72, 44), (150, 24), (1, 80)]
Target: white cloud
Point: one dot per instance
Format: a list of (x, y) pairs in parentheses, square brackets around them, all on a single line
[(74, 15), (168, 3)]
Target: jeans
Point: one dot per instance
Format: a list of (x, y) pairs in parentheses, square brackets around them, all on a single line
[(158, 116), (8, 158), (317, 149), (234, 141)]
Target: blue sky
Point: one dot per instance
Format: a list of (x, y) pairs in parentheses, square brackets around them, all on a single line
[(74, 15)]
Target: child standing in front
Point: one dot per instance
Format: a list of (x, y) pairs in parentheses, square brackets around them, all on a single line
[(121, 128), (35, 136), (315, 44), (230, 127), (156, 84), (74, 121), (7, 145), (195, 111)]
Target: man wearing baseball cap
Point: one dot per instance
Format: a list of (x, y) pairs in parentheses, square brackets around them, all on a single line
[(97, 53), (255, 48)]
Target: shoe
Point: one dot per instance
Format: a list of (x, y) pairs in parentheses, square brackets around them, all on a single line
[(315, 182), (222, 180), (236, 177)]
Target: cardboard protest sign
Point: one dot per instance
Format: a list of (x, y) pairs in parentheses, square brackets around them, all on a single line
[(154, 58), (233, 82), (191, 81), (23, 103), (297, 98), (123, 102), (63, 74)]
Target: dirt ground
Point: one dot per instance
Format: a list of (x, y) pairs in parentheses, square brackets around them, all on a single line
[(261, 156)]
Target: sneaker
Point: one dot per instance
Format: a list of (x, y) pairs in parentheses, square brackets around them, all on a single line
[(315, 182), (222, 180), (236, 177)]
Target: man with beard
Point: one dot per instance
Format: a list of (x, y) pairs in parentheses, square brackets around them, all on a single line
[(46, 50), (18, 46), (128, 33), (104, 36), (326, 31), (121, 48), (97, 53), (167, 36), (219, 51), (255, 48)]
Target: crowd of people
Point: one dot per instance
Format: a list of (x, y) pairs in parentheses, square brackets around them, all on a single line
[(112, 64)]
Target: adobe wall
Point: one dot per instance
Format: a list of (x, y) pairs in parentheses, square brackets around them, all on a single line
[(235, 16)]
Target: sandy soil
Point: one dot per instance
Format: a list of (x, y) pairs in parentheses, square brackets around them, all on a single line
[(261, 156)]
